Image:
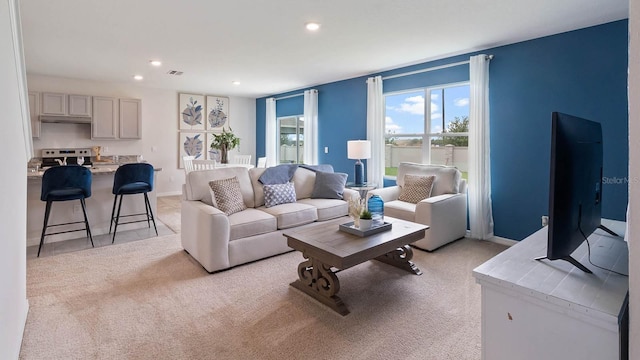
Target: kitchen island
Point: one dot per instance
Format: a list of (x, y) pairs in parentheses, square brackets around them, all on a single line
[(99, 207)]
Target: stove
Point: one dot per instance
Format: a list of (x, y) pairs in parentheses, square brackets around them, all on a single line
[(49, 156)]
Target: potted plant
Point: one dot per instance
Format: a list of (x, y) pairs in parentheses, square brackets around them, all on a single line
[(224, 142), (366, 220)]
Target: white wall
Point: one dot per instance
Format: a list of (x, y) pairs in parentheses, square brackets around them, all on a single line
[(634, 174), (13, 192), (159, 143)]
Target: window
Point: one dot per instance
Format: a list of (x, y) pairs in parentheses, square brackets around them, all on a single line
[(291, 135), (428, 132)]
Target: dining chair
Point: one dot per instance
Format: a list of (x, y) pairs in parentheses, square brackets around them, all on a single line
[(130, 179), (188, 163), (242, 159), (65, 183), (203, 165)]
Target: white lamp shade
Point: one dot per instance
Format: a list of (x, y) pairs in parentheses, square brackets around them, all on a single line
[(358, 149)]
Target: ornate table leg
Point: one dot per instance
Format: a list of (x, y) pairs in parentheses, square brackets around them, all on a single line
[(401, 257), (318, 281)]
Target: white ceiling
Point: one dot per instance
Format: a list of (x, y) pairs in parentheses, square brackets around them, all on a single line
[(264, 44)]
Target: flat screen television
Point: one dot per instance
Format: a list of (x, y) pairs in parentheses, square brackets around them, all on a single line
[(575, 187)]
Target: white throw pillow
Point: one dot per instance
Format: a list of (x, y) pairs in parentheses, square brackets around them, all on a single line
[(277, 194)]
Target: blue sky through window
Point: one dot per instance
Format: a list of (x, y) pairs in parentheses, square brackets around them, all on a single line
[(405, 111)]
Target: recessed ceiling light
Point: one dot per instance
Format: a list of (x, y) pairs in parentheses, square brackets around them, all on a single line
[(236, 82), (138, 77), (312, 26), (155, 62)]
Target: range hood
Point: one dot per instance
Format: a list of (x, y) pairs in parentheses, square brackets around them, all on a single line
[(65, 119)]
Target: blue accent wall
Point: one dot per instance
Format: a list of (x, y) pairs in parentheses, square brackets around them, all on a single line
[(583, 73)]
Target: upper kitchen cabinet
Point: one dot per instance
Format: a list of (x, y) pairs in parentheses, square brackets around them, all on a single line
[(130, 119), (104, 124), (34, 111), (63, 104), (80, 105), (116, 118)]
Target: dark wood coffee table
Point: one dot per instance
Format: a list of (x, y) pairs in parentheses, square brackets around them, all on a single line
[(326, 248)]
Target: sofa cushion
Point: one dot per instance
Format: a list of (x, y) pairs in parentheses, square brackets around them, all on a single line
[(258, 191), (328, 208), (447, 179), (304, 180), (329, 185), (251, 222), (277, 194), (416, 188), (197, 184), (228, 197), (292, 214), (400, 210)]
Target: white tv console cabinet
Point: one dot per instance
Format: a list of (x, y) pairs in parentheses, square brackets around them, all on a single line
[(551, 309)]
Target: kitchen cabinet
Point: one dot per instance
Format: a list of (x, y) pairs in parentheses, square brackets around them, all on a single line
[(66, 105), (130, 119), (115, 118), (34, 111), (79, 105), (105, 118)]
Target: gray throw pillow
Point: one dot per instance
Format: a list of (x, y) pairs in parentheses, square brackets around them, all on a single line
[(227, 195), (329, 185)]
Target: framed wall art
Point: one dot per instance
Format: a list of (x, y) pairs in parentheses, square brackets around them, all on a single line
[(217, 113), (192, 112), (191, 144)]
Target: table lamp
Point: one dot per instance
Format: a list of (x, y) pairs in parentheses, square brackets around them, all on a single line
[(358, 150)]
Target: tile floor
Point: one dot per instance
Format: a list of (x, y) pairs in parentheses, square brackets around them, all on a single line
[(167, 221)]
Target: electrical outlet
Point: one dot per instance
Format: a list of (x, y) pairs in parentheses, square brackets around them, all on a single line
[(105, 149), (326, 149), (545, 220)]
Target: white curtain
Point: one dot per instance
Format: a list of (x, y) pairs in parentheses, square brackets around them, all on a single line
[(480, 213), (271, 136), (375, 130), (311, 127)]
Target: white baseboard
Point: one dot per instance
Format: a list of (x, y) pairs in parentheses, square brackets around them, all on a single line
[(503, 241), (497, 240)]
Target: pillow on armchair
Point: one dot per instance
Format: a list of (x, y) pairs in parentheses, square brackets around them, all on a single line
[(416, 188)]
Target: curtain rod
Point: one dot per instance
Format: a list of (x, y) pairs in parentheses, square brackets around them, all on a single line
[(489, 57), (289, 96)]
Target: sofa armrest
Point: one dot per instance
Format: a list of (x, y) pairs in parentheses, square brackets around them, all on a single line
[(205, 234), (349, 194), (447, 217), (387, 194)]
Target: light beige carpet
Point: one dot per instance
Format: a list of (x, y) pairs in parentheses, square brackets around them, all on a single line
[(149, 300)]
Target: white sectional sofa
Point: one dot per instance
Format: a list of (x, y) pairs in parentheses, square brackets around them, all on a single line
[(219, 241)]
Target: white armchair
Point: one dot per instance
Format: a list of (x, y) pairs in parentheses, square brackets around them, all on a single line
[(445, 211)]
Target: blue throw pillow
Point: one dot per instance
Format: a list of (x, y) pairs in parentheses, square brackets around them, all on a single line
[(277, 194), (329, 185)]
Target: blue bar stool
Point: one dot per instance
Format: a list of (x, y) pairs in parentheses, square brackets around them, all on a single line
[(132, 179), (64, 183)]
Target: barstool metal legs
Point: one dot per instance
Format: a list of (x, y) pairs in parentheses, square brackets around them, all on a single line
[(86, 221), (116, 219), (47, 212), (148, 206)]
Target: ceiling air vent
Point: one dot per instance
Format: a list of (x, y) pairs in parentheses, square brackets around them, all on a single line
[(175, 72)]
